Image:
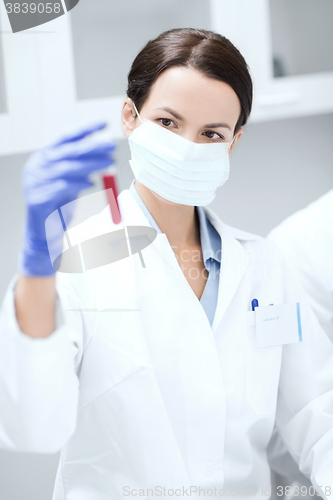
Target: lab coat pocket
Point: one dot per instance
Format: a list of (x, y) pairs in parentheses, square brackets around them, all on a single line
[(262, 372)]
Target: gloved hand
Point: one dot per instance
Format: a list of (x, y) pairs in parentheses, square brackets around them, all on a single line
[(53, 177)]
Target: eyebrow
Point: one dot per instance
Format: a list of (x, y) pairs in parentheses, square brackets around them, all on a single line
[(210, 125)]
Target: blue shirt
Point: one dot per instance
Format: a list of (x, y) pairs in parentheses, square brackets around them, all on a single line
[(211, 250)]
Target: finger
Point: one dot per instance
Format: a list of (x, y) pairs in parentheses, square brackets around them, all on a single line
[(79, 150), (66, 169), (77, 185), (59, 189), (80, 133), (78, 168), (64, 188)]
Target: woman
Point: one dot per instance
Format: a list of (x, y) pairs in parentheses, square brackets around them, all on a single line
[(161, 380)]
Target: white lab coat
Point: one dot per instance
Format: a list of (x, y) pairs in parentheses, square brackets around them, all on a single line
[(141, 392), (306, 240)]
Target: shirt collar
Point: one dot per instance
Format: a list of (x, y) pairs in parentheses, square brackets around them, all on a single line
[(209, 237)]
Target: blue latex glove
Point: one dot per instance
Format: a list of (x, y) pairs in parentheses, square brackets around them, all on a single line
[(53, 177)]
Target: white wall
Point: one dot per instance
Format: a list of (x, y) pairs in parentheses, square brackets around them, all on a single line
[(301, 37), (277, 168)]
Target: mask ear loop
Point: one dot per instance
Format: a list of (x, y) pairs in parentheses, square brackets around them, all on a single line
[(231, 143), (137, 112)]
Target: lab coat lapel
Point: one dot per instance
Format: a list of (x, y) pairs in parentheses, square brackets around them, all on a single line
[(234, 262)]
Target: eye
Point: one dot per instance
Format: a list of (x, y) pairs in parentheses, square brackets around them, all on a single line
[(213, 135), (166, 122)]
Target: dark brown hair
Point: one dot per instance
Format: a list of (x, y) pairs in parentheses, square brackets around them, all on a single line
[(212, 54)]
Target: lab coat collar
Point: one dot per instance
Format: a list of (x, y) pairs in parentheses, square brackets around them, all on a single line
[(233, 264)]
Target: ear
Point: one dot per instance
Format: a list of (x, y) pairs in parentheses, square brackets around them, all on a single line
[(238, 136), (128, 117)]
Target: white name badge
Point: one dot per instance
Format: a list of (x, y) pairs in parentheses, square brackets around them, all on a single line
[(278, 324)]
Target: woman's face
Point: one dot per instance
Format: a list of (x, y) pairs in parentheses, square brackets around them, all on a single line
[(183, 100)]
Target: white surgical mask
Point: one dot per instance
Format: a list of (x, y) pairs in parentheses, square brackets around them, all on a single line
[(177, 169)]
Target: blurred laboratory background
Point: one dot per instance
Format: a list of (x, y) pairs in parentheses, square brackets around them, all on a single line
[(74, 69)]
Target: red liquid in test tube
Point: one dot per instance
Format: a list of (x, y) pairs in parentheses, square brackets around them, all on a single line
[(109, 182)]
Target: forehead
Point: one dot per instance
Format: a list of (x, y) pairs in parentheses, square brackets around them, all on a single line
[(191, 93)]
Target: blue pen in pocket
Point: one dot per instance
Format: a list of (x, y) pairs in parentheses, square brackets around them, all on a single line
[(255, 304)]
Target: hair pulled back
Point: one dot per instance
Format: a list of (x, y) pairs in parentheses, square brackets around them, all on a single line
[(210, 53)]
